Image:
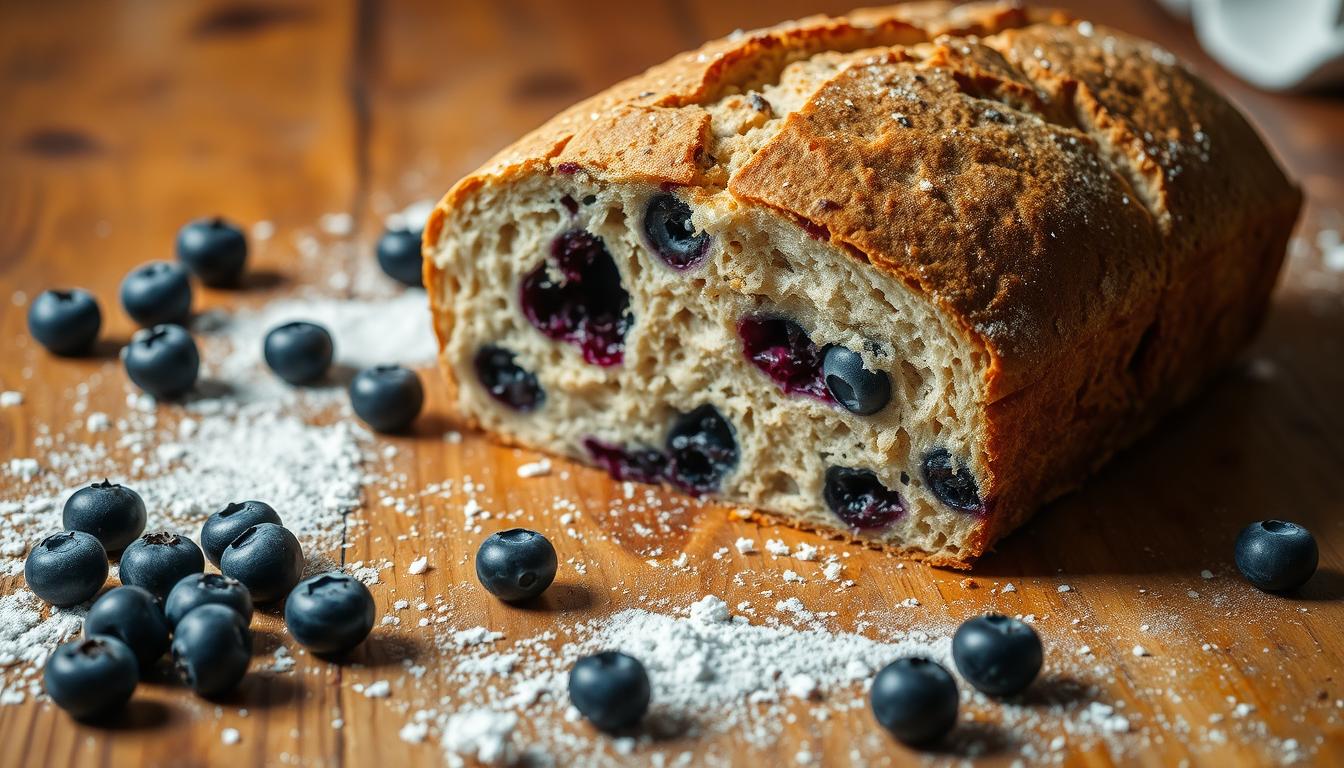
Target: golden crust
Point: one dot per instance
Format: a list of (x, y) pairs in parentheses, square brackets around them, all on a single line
[(1098, 221)]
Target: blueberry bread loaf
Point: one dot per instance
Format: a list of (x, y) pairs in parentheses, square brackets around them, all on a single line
[(901, 276)]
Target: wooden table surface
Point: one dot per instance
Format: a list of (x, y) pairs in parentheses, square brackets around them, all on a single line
[(122, 120)]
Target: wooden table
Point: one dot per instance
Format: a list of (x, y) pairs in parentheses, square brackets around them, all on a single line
[(121, 120)]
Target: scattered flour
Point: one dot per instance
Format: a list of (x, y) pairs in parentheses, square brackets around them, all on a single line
[(365, 332), (242, 435), (484, 735)]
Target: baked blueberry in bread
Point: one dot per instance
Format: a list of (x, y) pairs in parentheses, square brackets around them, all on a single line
[(901, 276)]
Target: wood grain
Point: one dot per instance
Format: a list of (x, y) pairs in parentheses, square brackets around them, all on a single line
[(125, 119)]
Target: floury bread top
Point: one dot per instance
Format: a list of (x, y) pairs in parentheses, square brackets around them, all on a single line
[(1096, 227)]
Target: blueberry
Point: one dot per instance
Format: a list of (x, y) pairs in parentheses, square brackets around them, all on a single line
[(915, 699), (701, 450), (400, 257), (387, 397), (157, 561), (207, 589), (330, 614), (667, 223), (954, 485), (211, 649), (299, 352), (114, 514), (1276, 555), (998, 655), (642, 465), (782, 350), (157, 293), (65, 322), (162, 361), (576, 296), (66, 568), (91, 678), (852, 385), (267, 559), (516, 564), (133, 616), (857, 497), (506, 381), (214, 250), (229, 521), (611, 689)]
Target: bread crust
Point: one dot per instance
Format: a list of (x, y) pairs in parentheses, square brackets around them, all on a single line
[(1100, 224)]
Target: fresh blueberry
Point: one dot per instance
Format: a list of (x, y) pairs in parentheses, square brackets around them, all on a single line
[(162, 361), (157, 561), (701, 449), (782, 350), (506, 381), (998, 655), (92, 677), (860, 499), (915, 699), (157, 293), (229, 521), (114, 514), (267, 559), (667, 223), (207, 589), (65, 322), (66, 568), (1276, 555), (516, 564), (400, 257), (852, 385), (211, 649), (299, 352), (133, 616), (214, 250), (642, 465), (611, 689), (576, 296), (953, 484), (330, 614), (387, 397)]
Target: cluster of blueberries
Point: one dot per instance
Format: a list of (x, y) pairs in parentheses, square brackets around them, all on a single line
[(168, 603), (162, 358)]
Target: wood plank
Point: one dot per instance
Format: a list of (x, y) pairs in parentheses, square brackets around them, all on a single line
[(124, 120)]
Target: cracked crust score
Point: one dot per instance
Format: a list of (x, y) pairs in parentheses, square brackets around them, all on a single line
[(1103, 228)]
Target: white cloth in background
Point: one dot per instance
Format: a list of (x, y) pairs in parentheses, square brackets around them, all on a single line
[(1278, 45)]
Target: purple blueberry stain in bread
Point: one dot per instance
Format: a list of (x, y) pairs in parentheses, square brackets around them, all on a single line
[(702, 449), (782, 350), (576, 296), (667, 224), (641, 465), (857, 497), (951, 482), (506, 381)]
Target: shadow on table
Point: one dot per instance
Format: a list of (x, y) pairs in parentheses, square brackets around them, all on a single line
[(1265, 440), (383, 649), (138, 715)]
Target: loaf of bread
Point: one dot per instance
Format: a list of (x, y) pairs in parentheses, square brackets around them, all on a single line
[(901, 276)]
